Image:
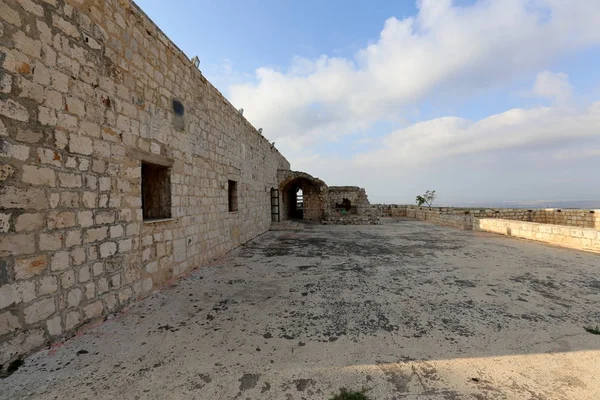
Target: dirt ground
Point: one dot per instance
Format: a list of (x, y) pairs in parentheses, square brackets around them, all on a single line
[(405, 309)]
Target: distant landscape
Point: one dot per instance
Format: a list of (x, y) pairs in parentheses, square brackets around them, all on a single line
[(582, 204)]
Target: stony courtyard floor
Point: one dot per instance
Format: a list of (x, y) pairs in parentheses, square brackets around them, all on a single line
[(406, 309)]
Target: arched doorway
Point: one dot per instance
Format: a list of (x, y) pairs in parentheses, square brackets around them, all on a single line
[(302, 197)]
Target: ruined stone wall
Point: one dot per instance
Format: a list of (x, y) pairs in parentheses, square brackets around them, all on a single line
[(361, 212), (86, 95), (313, 203), (357, 197)]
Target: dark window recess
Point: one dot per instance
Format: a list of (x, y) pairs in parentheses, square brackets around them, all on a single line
[(232, 195), (178, 108), (156, 191), (178, 112)]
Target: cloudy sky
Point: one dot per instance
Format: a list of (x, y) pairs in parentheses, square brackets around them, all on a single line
[(485, 101)]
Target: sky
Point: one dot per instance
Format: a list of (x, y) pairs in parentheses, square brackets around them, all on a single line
[(484, 101)]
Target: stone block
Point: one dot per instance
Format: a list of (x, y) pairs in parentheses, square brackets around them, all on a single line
[(125, 245), (105, 217), (4, 223), (29, 222), (80, 145), (90, 290), (116, 231), (40, 310), (97, 269), (69, 199), (67, 279), (93, 310), (39, 176), (54, 327), (68, 180), (54, 101), (49, 156), (6, 171), (115, 281), (85, 218), (47, 285), (59, 81), (26, 268), (31, 90), (8, 323), (125, 295), (96, 234), (102, 286), (75, 106), (61, 220), (78, 256), (73, 238), (152, 267), (15, 245), (60, 261), (108, 249), (15, 151), (74, 297), (110, 302), (72, 319), (84, 274), (179, 250), (13, 110), (65, 26), (9, 15), (50, 241), (89, 200)]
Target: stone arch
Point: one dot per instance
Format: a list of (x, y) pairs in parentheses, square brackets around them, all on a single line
[(314, 193)]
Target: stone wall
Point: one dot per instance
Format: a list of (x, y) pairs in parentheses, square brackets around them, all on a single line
[(349, 205), (566, 236), (465, 217), (579, 229), (89, 90)]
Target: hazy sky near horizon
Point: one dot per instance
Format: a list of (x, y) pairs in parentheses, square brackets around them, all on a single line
[(482, 100)]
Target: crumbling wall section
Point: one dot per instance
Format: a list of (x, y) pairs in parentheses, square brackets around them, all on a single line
[(90, 89), (349, 205)]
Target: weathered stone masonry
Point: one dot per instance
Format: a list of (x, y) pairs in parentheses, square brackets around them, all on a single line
[(90, 90)]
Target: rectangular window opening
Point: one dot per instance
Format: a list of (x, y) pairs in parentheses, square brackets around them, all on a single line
[(232, 195), (156, 191)]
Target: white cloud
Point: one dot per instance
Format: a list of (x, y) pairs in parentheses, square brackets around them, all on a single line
[(554, 86), (451, 153), (515, 129), (444, 49)]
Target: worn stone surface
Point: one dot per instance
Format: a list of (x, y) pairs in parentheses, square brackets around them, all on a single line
[(407, 309)]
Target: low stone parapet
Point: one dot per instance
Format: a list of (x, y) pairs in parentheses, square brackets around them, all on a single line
[(566, 236)]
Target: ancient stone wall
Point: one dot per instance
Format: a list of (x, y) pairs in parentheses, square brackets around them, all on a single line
[(89, 91), (349, 205), (566, 236), (465, 217)]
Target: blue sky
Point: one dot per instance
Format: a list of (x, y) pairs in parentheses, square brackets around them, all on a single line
[(485, 101)]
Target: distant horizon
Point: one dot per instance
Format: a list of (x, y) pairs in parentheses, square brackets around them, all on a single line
[(537, 204)]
